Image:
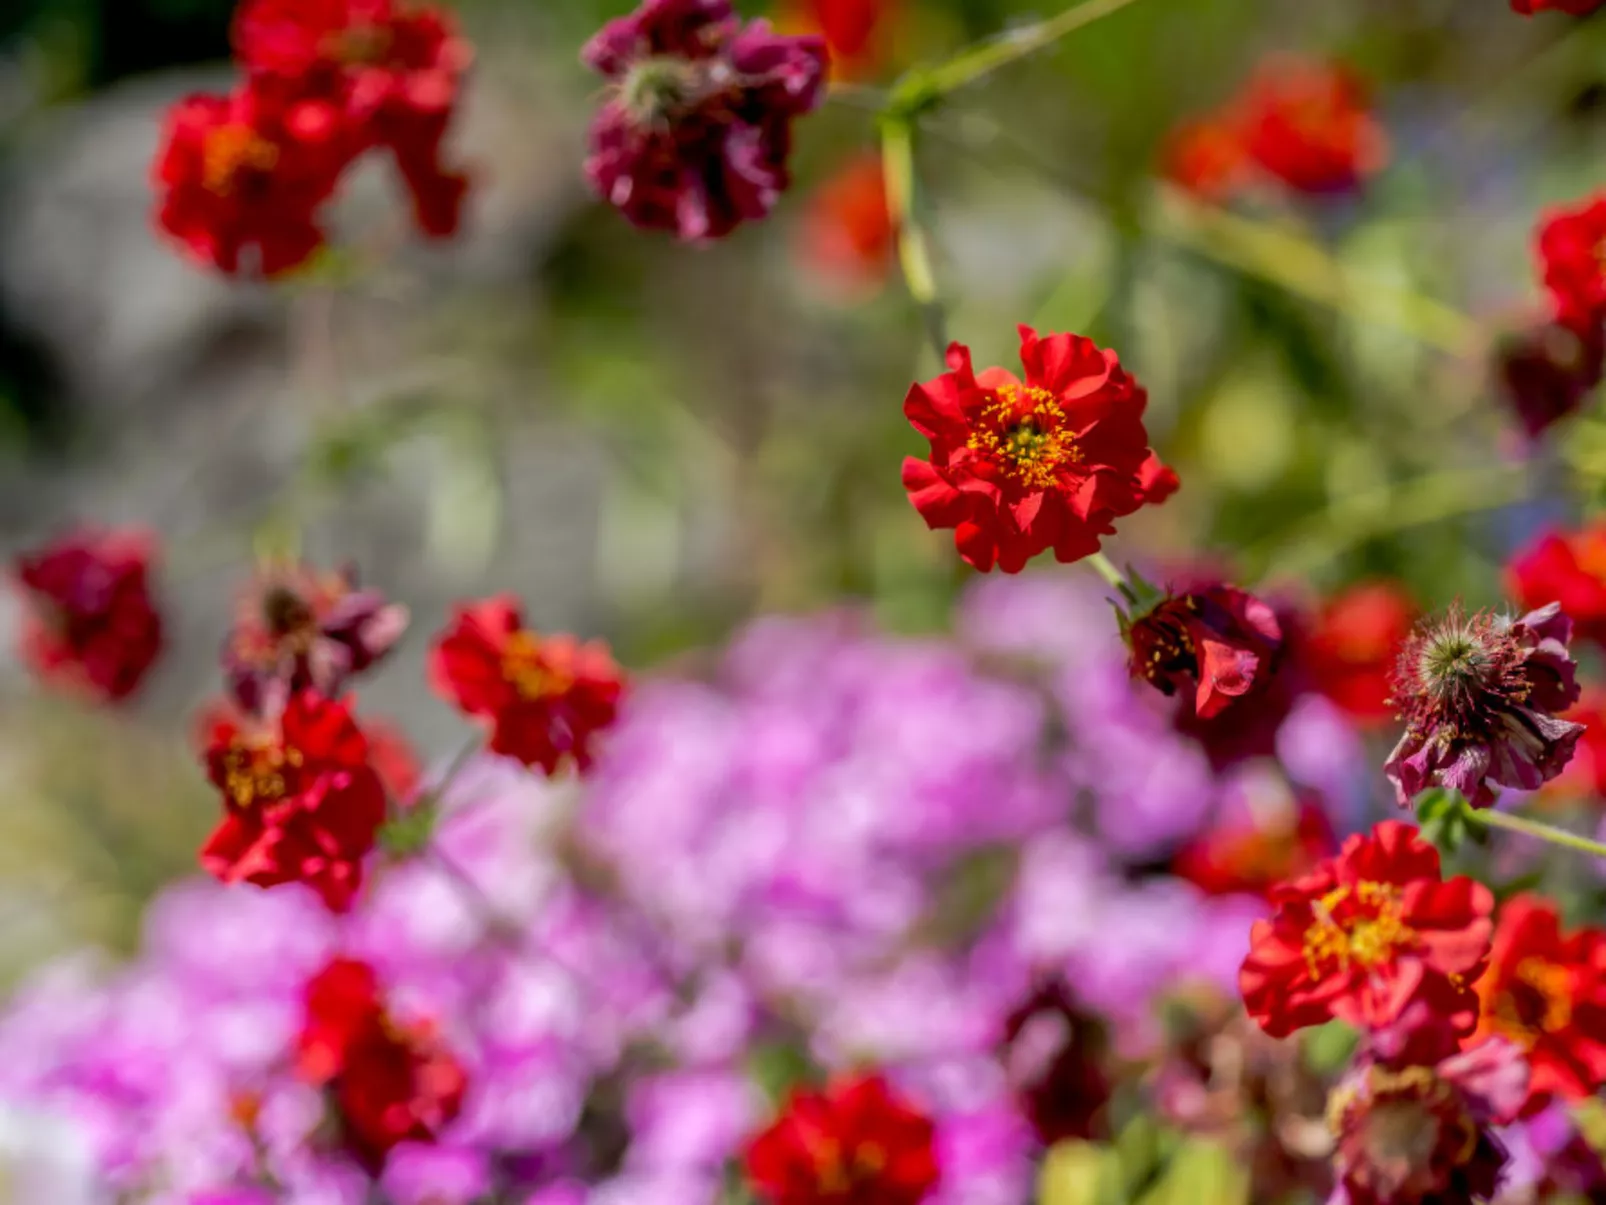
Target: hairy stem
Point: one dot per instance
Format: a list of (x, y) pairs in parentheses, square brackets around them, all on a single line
[(1536, 829), (1101, 565)]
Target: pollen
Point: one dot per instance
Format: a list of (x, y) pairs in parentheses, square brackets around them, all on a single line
[(228, 149), (1537, 1001), (1022, 432), (256, 772), (531, 672), (1360, 926)]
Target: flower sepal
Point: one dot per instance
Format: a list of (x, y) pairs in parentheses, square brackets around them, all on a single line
[(1443, 814)]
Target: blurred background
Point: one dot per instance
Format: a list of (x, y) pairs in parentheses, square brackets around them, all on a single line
[(650, 442)]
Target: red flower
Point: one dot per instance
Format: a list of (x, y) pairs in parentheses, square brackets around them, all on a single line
[(1057, 1058), (1351, 648), (90, 624), (1546, 371), (242, 177), (1308, 125), (1214, 642), (1020, 467), (391, 72), (389, 1082), (1546, 993), (546, 697), (1576, 8), (297, 628), (1571, 243), (1569, 567), (302, 803), (1366, 933), (848, 237), (697, 128), (1254, 855), (855, 1143), (1208, 158)]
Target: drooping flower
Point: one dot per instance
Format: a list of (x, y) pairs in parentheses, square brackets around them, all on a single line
[(90, 623), (696, 131), (1575, 8), (1213, 641), (1570, 243), (545, 697), (1545, 992), (1365, 934), (1585, 775), (1308, 125), (1414, 1119), (1569, 567), (1350, 648), (242, 177), (297, 628), (389, 1081), (857, 1142), (1017, 467), (1480, 698), (848, 236), (1547, 370), (390, 73), (301, 802), (1058, 1060)]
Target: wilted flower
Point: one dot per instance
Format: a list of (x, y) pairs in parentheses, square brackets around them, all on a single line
[(1569, 567), (297, 628), (1057, 1056), (1570, 243), (1365, 934), (1479, 696), (1546, 994), (1547, 370), (90, 624), (697, 128), (1213, 641), (855, 1143), (1019, 467), (545, 697), (1350, 648), (389, 1081), (302, 803)]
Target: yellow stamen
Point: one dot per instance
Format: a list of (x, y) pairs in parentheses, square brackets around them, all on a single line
[(1021, 432)]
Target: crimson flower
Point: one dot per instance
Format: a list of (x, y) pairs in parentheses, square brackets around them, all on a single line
[(848, 236), (1350, 649), (1570, 567), (301, 802), (1254, 855), (1018, 467), (1057, 1058), (1546, 371), (1571, 242), (388, 1081), (855, 1143), (1480, 698), (297, 628), (1308, 125), (242, 177), (1366, 933), (545, 697), (1576, 8), (90, 624), (388, 72), (1414, 1119), (696, 131), (1546, 994), (1213, 641)]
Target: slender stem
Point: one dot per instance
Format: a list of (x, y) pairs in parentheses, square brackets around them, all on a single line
[(1101, 565), (898, 165), (1536, 829), (970, 65)]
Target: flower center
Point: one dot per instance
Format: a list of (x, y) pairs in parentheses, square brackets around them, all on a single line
[(1021, 433), (1537, 1002), (255, 771), (526, 665), (1361, 927), (361, 44), (228, 150), (658, 89)]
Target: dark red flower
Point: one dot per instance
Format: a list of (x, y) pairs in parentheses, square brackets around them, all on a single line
[(392, 73), (855, 1143), (1547, 371), (1480, 697), (302, 803), (90, 624), (1211, 641), (1546, 993), (1252, 856), (1576, 8), (297, 628), (1569, 567), (389, 1082), (1350, 649), (1365, 934), (1414, 1119), (1208, 158), (1019, 467), (1058, 1060), (242, 177), (1571, 243), (546, 697), (848, 237), (1308, 125), (697, 128)]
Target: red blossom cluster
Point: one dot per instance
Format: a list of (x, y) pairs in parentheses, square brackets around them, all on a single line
[(243, 178), (1305, 126)]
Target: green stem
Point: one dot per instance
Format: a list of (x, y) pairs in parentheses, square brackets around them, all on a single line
[(970, 65), (1101, 565), (1536, 829), (898, 165)]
